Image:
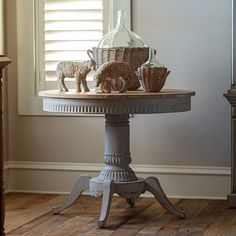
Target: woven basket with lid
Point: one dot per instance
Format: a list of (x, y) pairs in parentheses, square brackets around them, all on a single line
[(121, 44)]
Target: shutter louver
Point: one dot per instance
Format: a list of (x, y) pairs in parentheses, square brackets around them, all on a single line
[(70, 28)]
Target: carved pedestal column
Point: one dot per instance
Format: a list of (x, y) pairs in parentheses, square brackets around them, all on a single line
[(117, 152), (4, 61)]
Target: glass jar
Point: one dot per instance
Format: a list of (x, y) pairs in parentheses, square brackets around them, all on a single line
[(152, 60), (121, 44), (152, 74), (121, 36)]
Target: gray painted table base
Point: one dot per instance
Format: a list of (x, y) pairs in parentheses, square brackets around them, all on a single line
[(117, 176)]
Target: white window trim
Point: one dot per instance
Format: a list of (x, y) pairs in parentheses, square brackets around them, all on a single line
[(29, 103)]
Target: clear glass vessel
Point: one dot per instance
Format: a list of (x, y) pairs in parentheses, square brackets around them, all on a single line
[(121, 36), (152, 74), (152, 60), (121, 44)]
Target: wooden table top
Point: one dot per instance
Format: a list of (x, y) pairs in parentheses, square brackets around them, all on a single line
[(116, 95), (130, 102)]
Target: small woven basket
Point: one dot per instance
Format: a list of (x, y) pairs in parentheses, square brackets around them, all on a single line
[(134, 56), (152, 78)]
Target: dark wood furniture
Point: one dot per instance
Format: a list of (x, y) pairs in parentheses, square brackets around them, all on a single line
[(4, 61), (231, 97)]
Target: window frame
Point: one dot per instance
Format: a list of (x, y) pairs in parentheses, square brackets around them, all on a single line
[(29, 103)]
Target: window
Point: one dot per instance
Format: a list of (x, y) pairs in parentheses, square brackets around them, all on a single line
[(69, 29), (49, 31)]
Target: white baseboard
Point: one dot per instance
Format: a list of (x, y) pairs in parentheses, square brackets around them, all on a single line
[(177, 181)]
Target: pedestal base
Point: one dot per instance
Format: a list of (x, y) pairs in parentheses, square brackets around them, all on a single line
[(117, 176), (128, 190)]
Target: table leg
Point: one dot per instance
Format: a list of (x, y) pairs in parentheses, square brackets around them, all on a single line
[(81, 184), (108, 190), (152, 185)]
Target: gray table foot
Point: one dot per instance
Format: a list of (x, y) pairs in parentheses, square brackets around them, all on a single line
[(81, 184), (131, 201), (108, 190), (152, 185)]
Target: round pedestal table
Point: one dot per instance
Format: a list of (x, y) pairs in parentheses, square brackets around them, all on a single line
[(116, 175)]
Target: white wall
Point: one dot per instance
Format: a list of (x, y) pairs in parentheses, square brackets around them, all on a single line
[(193, 39)]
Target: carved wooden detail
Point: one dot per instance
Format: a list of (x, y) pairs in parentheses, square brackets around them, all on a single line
[(129, 106), (117, 159), (109, 173), (121, 159), (4, 61)]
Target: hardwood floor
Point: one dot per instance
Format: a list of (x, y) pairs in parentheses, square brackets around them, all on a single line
[(30, 214)]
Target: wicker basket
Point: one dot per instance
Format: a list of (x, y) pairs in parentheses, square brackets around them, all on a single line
[(152, 78), (134, 56)]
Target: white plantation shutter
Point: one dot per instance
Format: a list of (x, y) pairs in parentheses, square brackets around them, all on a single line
[(70, 28)]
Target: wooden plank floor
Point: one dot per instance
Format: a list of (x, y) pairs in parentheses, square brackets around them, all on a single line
[(30, 214)]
